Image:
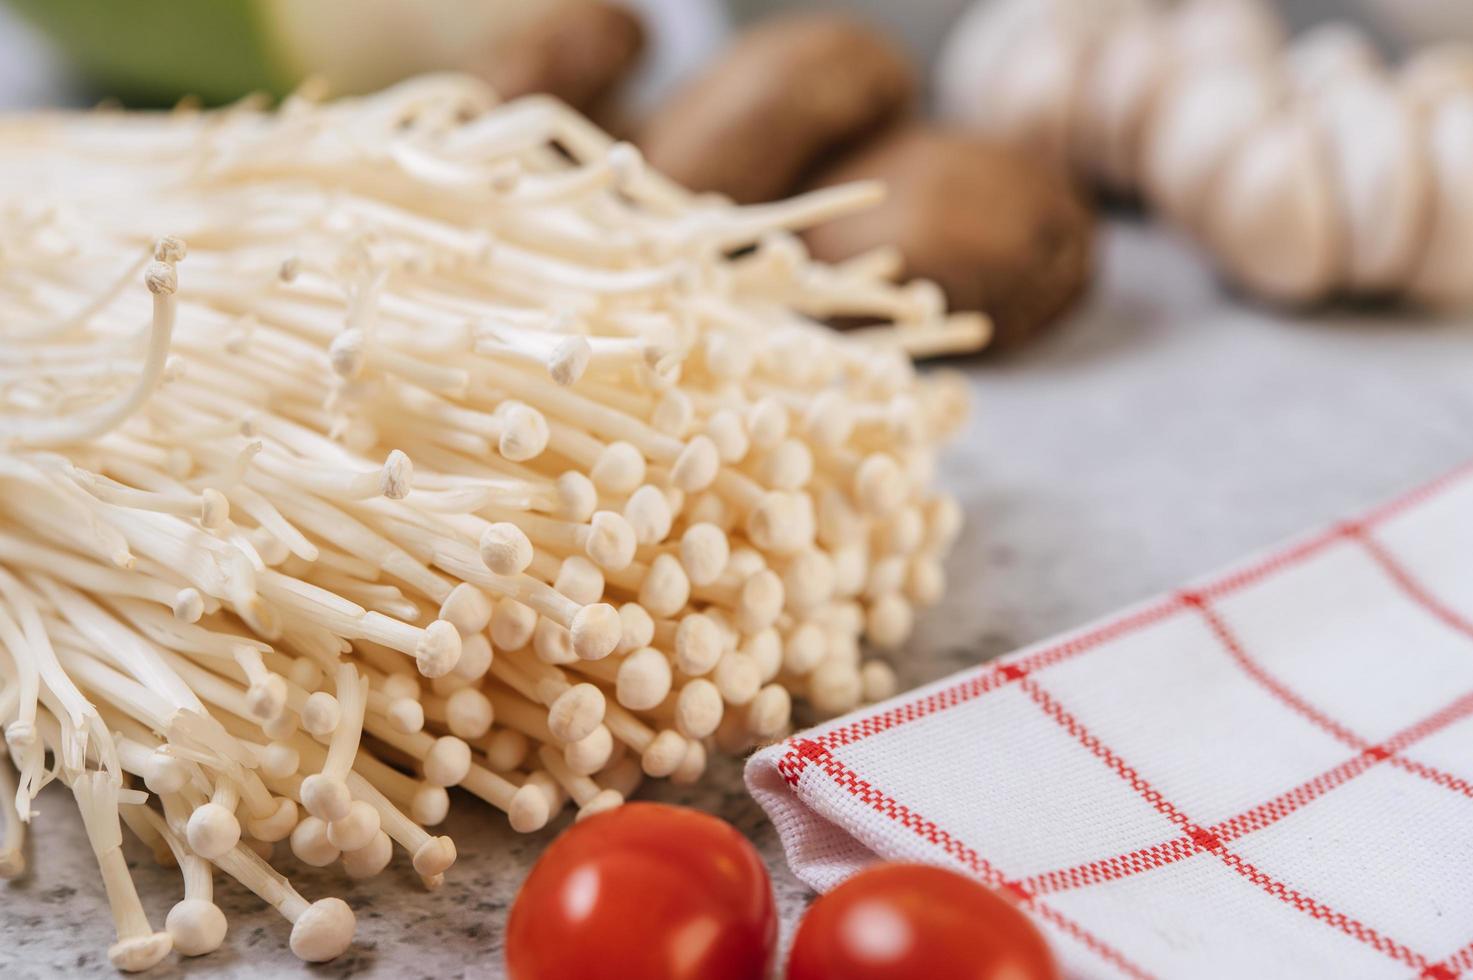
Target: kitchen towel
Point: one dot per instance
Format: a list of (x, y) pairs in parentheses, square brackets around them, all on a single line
[(1265, 774)]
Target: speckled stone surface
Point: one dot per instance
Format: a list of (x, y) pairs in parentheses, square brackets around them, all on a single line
[(1167, 430)]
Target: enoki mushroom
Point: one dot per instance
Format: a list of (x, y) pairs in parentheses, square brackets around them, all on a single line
[(454, 449)]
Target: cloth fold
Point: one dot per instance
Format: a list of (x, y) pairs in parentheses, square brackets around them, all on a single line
[(1268, 773)]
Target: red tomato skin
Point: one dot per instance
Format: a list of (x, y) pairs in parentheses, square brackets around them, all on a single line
[(645, 891), (897, 921)]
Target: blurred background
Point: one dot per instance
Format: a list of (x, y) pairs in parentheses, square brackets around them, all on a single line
[(34, 67)]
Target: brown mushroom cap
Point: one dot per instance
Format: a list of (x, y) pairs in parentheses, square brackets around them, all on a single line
[(994, 229), (785, 93), (576, 53)]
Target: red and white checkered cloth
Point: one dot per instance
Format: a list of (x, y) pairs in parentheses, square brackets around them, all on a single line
[(1268, 774)]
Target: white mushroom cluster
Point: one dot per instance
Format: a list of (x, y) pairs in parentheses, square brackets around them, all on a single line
[(1308, 168), (455, 449)]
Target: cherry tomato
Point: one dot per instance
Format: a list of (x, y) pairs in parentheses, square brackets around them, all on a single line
[(644, 890), (914, 920)]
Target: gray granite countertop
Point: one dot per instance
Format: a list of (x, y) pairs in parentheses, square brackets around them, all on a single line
[(1164, 431)]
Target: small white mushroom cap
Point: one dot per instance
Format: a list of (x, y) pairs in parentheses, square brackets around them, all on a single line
[(728, 433), (505, 549), (506, 749), (636, 627), (197, 926), (524, 432), (140, 953), (590, 753), (804, 648), (467, 608), (434, 857), (165, 773), (580, 580), (448, 761), (430, 805), (761, 602), (604, 800), (406, 715), (310, 844), (693, 766), (276, 825), (696, 466), (512, 624), (321, 713), (279, 760), (665, 589), (889, 622), (576, 713), (611, 541), (355, 831), (323, 931), (619, 469), (704, 551), (596, 631), (438, 649), (648, 514), (476, 655), (212, 831), (552, 643), (698, 645), (834, 687), (877, 681), (664, 754), (769, 712), (698, 708), (267, 698), (767, 423), (737, 677), (926, 582), (808, 580), (528, 811), (468, 713), (643, 679), (673, 413), (879, 484), (188, 605), (365, 862), (577, 497)]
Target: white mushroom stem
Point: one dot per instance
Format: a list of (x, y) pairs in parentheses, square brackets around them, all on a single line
[(162, 285), (12, 853), (325, 794), (321, 930), (573, 710), (139, 946), (524, 805), (196, 924), (590, 797), (432, 855)]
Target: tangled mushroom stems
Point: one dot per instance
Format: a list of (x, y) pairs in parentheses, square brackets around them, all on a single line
[(454, 449)]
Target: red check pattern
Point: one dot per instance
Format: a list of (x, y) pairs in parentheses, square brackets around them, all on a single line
[(1267, 774)]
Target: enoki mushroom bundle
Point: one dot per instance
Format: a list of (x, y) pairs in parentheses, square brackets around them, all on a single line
[(453, 449)]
